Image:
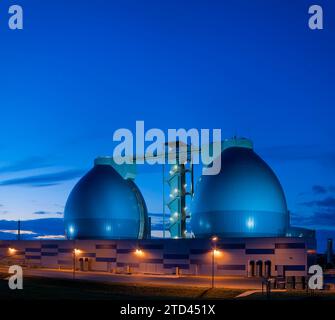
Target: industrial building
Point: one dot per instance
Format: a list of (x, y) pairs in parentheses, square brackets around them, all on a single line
[(234, 256), (239, 219)]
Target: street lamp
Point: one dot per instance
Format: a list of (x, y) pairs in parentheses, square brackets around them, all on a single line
[(214, 253), (75, 253), (138, 253)]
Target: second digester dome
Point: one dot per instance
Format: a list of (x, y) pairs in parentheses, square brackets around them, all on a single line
[(245, 199)]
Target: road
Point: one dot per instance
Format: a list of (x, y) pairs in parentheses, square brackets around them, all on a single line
[(161, 280)]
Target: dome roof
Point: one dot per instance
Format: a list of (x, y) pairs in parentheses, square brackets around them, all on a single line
[(245, 199), (103, 205)]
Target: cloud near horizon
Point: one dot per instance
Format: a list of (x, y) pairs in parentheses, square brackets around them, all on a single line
[(323, 209), (47, 212), (16, 232), (50, 237), (326, 203), (44, 180), (27, 164), (319, 220)]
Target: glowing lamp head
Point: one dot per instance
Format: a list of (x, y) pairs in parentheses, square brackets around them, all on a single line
[(215, 238), (77, 252), (11, 251), (139, 252)]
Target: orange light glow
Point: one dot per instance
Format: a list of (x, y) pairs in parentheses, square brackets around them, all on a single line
[(77, 251), (215, 238), (217, 253), (139, 252), (11, 250)]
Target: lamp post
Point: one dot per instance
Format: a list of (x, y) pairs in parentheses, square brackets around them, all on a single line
[(214, 240), (138, 253), (74, 254), (74, 264)]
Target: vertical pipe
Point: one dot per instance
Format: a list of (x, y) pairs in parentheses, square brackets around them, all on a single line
[(213, 262), (192, 180), (74, 264), (163, 175)]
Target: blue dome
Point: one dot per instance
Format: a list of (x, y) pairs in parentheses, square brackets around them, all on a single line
[(244, 200), (103, 205)]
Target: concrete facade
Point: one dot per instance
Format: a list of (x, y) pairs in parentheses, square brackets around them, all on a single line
[(233, 256)]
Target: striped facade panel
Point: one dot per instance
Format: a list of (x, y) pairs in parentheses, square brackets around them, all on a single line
[(176, 256), (148, 246), (259, 251), (49, 254), (29, 257), (49, 246), (131, 265), (231, 246), (105, 259), (33, 250), (199, 251), (235, 267), (151, 260), (290, 245), (175, 265), (65, 250), (105, 246), (124, 251), (295, 268)]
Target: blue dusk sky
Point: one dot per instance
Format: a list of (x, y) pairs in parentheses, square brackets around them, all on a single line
[(82, 69)]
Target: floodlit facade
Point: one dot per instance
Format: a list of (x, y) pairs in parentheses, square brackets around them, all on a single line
[(233, 256)]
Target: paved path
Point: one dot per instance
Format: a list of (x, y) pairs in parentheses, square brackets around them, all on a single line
[(200, 281), (247, 293), (251, 292)]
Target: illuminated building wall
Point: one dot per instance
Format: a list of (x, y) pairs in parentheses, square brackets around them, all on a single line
[(245, 256)]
